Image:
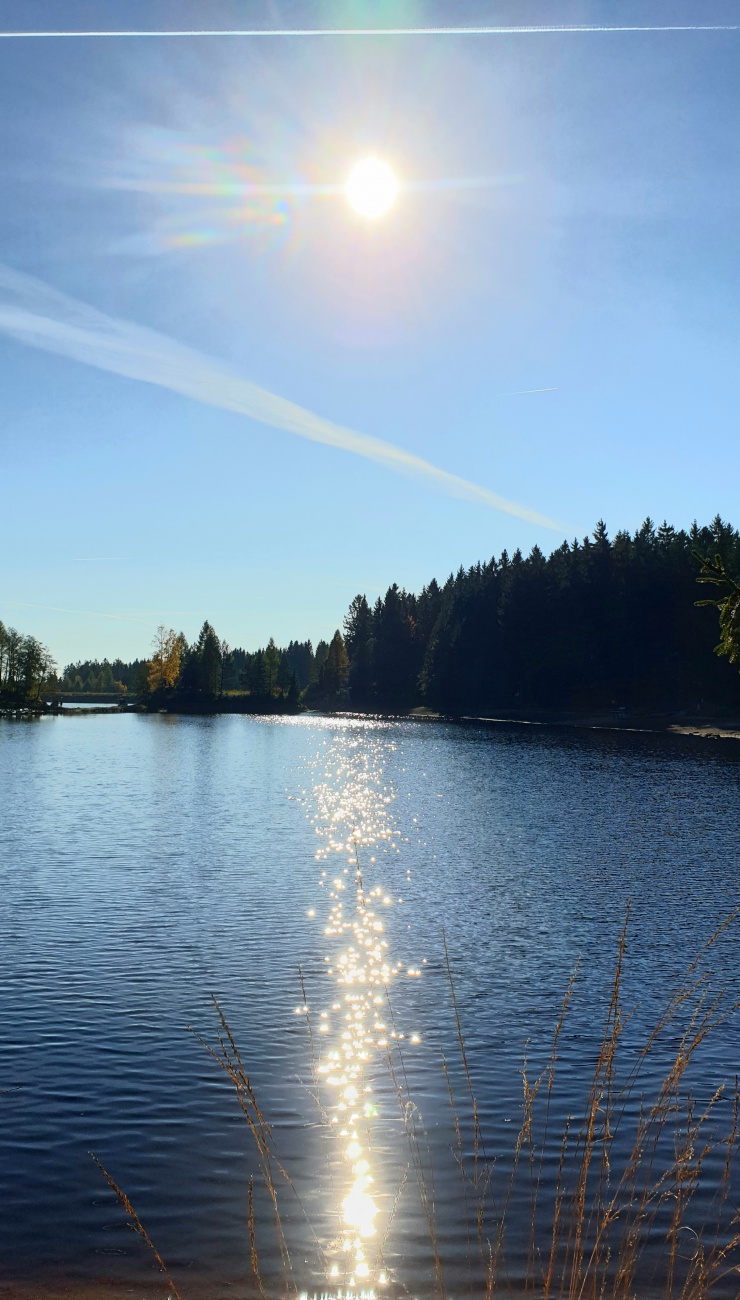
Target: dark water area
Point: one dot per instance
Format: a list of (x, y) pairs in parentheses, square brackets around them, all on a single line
[(147, 862)]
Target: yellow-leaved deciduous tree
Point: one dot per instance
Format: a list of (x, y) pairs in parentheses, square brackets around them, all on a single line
[(164, 667)]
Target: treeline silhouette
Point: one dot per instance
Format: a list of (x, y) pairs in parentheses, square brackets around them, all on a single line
[(209, 670), (600, 624)]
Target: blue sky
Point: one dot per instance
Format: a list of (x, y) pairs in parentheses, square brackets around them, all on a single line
[(595, 254)]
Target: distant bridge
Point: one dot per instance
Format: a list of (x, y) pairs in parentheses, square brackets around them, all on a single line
[(91, 697)]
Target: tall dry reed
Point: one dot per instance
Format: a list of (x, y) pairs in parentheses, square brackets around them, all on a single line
[(629, 1182)]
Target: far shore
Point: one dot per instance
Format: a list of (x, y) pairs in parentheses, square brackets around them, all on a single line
[(707, 727), (704, 726)]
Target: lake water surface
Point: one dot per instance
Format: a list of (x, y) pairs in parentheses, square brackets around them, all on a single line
[(302, 871)]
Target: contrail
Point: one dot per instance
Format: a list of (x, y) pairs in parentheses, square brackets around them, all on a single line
[(88, 613), (36, 314), (538, 29), (524, 392)]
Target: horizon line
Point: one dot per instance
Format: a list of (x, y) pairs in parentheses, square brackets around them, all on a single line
[(541, 29)]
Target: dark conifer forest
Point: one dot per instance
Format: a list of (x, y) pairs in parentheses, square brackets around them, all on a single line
[(612, 624), (599, 624)]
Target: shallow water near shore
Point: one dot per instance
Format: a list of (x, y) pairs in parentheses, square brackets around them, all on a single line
[(147, 862)]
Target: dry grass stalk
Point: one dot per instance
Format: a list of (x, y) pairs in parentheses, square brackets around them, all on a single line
[(137, 1225), (604, 1216), (229, 1060), (458, 1154), (252, 1238), (628, 1175), (424, 1175)]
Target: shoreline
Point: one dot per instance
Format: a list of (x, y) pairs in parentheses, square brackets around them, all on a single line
[(645, 725), (705, 727)]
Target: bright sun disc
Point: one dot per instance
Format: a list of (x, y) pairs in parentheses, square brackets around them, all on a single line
[(371, 188)]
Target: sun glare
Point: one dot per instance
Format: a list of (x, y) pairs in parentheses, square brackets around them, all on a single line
[(371, 188)]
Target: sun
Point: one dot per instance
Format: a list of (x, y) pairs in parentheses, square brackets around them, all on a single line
[(371, 188)]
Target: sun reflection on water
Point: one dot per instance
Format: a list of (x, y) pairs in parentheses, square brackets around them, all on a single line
[(350, 805)]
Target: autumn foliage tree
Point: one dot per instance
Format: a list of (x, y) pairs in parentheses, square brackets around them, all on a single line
[(164, 666)]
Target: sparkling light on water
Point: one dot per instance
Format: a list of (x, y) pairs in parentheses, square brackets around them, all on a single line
[(350, 804)]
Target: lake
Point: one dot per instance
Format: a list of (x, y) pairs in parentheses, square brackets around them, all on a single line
[(302, 870)]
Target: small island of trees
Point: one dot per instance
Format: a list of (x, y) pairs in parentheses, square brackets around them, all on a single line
[(26, 669)]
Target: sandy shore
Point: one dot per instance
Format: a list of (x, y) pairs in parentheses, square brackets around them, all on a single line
[(702, 728), (710, 731)]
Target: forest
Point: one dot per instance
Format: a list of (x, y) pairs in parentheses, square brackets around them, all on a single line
[(616, 624), (600, 624), (209, 669)]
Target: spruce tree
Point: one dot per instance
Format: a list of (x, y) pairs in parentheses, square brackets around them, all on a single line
[(358, 640), (334, 670)]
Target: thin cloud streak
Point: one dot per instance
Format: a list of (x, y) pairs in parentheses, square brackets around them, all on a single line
[(541, 29), (41, 317), (144, 616), (87, 613), (522, 392)]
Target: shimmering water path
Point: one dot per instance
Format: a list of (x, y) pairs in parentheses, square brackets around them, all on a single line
[(302, 871)]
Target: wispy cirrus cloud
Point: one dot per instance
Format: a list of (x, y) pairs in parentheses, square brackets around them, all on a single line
[(40, 316), (86, 613), (529, 29)]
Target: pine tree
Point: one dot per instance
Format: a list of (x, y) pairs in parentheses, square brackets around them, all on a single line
[(293, 695), (257, 674), (270, 668), (334, 670), (322, 650), (208, 659), (358, 640)]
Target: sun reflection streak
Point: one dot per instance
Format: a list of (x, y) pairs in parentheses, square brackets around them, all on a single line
[(350, 805)]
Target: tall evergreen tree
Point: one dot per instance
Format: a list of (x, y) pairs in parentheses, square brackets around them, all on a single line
[(270, 668), (334, 670), (396, 659), (208, 661), (358, 640)]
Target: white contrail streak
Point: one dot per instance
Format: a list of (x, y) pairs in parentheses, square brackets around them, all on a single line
[(534, 30), (41, 317), (87, 613), (524, 392)]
